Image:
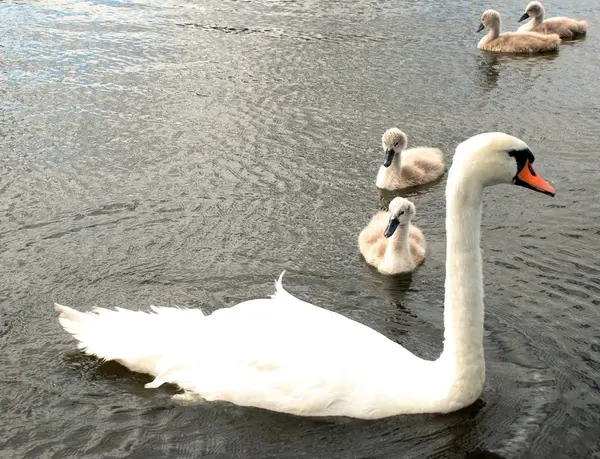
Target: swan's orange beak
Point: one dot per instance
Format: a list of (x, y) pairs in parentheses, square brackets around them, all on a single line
[(528, 178)]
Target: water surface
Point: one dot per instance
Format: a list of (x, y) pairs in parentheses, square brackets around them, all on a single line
[(185, 153)]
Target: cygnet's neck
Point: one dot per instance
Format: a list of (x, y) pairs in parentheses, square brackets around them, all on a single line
[(537, 20), (397, 160), (398, 245), (494, 31), (463, 303)]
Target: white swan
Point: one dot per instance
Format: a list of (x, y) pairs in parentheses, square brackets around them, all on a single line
[(404, 168), (564, 27), (390, 243), (284, 354), (513, 42)]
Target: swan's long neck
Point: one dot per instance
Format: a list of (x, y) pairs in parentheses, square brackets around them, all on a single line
[(463, 303)]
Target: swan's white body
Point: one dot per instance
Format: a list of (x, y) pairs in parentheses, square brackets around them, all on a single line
[(281, 354), (286, 355)]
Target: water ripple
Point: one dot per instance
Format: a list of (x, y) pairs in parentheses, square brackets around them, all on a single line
[(185, 153)]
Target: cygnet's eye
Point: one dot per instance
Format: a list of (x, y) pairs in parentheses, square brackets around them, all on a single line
[(401, 213), (396, 144)]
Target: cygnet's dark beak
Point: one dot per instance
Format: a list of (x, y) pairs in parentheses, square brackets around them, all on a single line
[(389, 157), (392, 226), (525, 16), (480, 28)]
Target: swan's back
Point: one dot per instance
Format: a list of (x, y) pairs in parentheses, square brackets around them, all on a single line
[(563, 27), (286, 355), (521, 42)]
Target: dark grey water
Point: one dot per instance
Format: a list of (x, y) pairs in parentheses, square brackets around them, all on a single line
[(185, 153)]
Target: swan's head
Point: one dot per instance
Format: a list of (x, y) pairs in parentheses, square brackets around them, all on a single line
[(490, 19), (533, 10), (401, 211), (494, 158), (393, 141)]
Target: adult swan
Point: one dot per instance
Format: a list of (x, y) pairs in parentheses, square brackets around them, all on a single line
[(283, 354)]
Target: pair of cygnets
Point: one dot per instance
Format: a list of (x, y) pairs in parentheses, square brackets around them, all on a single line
[(390, 242), (537, 36)]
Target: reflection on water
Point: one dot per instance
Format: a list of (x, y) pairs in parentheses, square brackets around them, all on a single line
[(185, 153), (489, 72), (492, 64)]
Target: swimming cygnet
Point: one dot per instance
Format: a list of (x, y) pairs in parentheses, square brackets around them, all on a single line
[(564, 27), (390, 243), (404, 168), (513, 42)]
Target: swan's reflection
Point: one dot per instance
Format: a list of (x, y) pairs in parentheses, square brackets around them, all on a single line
[(490, 65)]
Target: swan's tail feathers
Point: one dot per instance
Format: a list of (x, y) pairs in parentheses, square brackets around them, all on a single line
[(74, 322), (136, 339), (67, 314)]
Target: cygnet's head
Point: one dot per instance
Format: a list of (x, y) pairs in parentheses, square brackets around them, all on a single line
[(393, 141), (401, 211), (495, 157), (490, 19), (533, 10)]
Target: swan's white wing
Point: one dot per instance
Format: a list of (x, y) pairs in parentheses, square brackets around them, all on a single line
[(287, 355)]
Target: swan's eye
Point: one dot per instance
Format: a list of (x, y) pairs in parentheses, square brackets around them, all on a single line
[(522, 157), (396, 144), (401, 213)]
